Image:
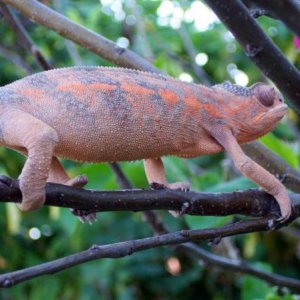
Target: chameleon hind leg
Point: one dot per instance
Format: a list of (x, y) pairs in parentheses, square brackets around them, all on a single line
[(155, 172), (58, 174), (25, 133)]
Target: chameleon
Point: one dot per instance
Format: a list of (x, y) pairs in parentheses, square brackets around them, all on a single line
[(108, 114)]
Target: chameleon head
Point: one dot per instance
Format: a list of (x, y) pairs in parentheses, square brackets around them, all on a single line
[(251, 112), (270, 107)]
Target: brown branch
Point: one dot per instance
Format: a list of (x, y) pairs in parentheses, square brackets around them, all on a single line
[(247, 202), (43, 15), (122, 249), (259, 47)]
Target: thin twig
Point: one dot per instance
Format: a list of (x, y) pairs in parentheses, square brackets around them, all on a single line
[(15, 58), (24, 37), (240, 266), (122, 249), (190, 49)]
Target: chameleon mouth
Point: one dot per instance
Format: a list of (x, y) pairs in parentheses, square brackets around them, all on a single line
[(280, 109)]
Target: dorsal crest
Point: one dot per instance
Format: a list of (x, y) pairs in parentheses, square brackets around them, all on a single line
[(234, 89)]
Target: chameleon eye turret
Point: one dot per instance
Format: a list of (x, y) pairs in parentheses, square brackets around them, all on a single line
[(264, 93)]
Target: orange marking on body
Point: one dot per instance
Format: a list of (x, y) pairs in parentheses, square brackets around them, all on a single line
[(82, 87), (101, 86), (136, 89), (136, 94), (72, 87), (212, 111), (31, 93), (169, 97), (192, 103)]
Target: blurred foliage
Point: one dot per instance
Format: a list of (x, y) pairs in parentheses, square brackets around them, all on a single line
[(33, 238)]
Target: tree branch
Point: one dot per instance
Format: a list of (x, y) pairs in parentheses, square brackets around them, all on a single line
[(122, 249), (248, 202), (259, 47), (43, 15)]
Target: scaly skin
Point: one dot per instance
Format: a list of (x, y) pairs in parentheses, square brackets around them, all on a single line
[(98, 114)]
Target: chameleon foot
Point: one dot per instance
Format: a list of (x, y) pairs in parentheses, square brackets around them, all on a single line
[(285, 215), (176, 186), (284, 202)]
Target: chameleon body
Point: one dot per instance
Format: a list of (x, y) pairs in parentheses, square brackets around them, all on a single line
[(97, 114)]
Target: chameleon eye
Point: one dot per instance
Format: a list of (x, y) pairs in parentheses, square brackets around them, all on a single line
[(266, 99)]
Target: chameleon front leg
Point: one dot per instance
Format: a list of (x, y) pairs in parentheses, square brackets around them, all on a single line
[(255, 172), (155, 172), (34, 137)]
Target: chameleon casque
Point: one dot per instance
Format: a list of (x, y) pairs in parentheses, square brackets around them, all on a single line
[(101, 114)]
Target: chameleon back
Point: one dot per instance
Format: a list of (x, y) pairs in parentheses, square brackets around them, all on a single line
[(94, 109)]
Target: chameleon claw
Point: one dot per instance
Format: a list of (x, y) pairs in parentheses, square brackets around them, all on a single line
[(78, 181), (186, 206), (215, 241), (85, 216), (176, 186), (272, 224), (179, 186)]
